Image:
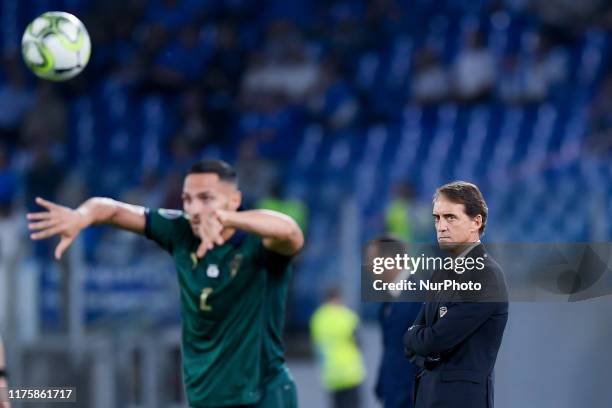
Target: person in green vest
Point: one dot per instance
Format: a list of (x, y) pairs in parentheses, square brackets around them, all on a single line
[(333, 326), (397, 215), (233, 269), (292, 207)]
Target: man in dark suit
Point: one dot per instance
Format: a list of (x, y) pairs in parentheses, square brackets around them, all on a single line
[(395, 374), (456, 336)]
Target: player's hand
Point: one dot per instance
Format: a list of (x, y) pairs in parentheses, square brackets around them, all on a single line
[(223, 216), (57, 220), (209, 231)]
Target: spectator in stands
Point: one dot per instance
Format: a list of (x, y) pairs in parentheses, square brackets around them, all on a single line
[(528, 80), (562, 19), (270, 128), (181, 62), (123, 34), (600, 140), (257, 175), (345, 31), (537, 81), (333, 327), (44, 176), (181, 155), (429, 83), (221, 80), (8, 184), (510, 84), (15, 99), (11, 245), (397, 216), (300, 73), (543, 69), (384, 19), (283, 68), (474, 71), (334, 103), (254, 80), (193, 128), (45, 122), (148, 193), (152, 39)]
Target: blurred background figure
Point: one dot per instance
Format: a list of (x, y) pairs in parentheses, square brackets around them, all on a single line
[(46, 121), (15, 98), (395, 378), (474, 70), (398, 217), (430, 82), (406, 217), (292, 206), (600, 141), (333, 328), (10, 228), (8, 184)]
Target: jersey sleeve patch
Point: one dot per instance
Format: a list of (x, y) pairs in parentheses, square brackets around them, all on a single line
[(170, 214)]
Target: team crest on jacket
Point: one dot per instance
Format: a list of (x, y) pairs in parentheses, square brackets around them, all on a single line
[(235, 265), (170, 214), (212, 271), (443, 311)]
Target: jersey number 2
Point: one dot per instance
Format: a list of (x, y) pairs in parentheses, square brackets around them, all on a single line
[(205, 307)]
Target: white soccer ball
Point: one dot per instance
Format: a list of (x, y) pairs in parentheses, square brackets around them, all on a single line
[(56, 46)]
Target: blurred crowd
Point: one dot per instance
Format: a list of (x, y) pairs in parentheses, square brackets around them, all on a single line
[(243, 79)]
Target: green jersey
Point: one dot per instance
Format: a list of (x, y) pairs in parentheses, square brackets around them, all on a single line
[(222, 311), (279, 275)]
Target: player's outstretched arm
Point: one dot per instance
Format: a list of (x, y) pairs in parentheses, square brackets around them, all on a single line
[(280, 233), (67, 222)]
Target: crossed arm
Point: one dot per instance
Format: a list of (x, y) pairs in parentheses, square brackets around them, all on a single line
[(414, 358), (279, 232), (461, 320)]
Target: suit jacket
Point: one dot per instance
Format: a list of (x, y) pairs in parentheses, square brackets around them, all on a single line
[(456, 344), (394, 386)]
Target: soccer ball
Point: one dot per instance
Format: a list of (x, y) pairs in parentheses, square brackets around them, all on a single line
[(56, 46)]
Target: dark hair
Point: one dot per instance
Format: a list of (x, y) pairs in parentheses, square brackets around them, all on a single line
[(218, 167), (468, 194)]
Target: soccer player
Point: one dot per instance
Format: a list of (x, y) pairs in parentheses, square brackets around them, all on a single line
[(233, 271)]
